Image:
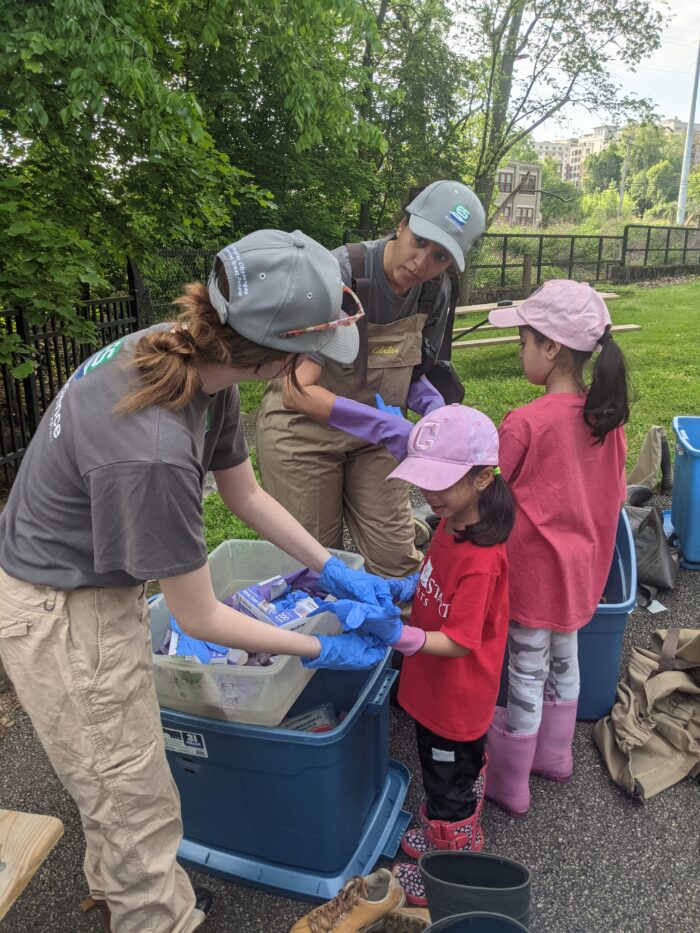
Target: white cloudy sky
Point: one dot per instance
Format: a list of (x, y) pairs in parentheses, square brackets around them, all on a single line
[(666, 77)]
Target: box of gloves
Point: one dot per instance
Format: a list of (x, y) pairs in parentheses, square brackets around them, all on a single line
[(259, 691), (277, 602)]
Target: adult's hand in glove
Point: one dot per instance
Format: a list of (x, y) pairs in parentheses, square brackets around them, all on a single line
[(402, 590), (345, 652), (380, 622), (345, 583)]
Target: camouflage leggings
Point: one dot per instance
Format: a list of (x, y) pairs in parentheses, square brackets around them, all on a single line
[(542, 665)]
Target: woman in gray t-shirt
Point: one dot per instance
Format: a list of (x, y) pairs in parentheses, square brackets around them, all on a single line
[(109, 496)]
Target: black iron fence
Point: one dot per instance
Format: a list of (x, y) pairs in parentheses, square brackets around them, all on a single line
[(508, 265), (24, 401)]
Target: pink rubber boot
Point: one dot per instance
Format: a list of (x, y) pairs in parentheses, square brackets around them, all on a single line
[(510, 760), (553, 758)]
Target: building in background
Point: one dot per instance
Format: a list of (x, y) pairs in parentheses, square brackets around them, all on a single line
[(557, 151), (524, 209), (570, 154), (679, 128)]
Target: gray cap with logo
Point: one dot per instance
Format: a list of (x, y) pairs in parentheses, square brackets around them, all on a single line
[(449, 213), (279, 282)]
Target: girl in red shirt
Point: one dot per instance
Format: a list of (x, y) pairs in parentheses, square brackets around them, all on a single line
[(564, 457), (457, 636)]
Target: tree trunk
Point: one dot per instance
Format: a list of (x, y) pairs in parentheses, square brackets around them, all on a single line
[(493, 150)]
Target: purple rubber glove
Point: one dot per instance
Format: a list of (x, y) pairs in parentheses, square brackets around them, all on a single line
[(402, 590), (348, 652), (381, 622), (423, 397), (377, 427)]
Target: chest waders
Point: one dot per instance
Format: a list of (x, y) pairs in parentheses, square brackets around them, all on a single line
[(322, 475)]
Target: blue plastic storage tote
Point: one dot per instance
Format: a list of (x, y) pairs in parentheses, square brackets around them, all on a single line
[(293, 812), (685, 506), (600, 641)]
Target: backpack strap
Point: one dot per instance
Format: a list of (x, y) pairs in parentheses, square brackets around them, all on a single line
[(668, 660), (360, 285)]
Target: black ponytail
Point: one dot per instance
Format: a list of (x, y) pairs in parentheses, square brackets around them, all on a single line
[(607, 400), (496, 513), (607, 403)]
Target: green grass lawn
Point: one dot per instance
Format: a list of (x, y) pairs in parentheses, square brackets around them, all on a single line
[(663, 360)]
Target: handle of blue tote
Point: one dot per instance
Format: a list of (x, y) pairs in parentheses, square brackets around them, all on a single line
[(376, 702)]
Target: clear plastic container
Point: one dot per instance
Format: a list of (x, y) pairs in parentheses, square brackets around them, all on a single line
[(256, 695)]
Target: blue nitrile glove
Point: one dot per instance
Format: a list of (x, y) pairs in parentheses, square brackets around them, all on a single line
[(195, 647), (381, 622), (389, 409), (372, 425), (347, 652), (341, 581), (403, 590), (423, 397)]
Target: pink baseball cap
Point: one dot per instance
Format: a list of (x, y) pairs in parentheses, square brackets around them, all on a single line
[(445, 445), (571, 313)]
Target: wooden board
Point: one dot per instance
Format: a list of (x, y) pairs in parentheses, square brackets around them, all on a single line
[(25, 841), (495, 341), (484, 309)]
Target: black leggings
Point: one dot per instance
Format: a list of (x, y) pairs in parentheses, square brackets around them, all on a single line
[(449, 771)]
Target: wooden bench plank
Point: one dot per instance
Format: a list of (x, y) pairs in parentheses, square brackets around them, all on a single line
[(25, 841), (495, 341), (491, 306)]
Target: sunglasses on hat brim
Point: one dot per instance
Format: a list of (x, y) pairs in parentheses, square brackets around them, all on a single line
[(329, 325)]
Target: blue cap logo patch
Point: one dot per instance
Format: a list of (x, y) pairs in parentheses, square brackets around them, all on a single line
[(459, 215)]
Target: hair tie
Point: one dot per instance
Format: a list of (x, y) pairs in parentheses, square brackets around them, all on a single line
[(496, 471), (605, 337), (186, 336)]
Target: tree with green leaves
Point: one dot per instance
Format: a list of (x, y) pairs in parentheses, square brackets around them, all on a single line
[(603, 168), (535, 58), (107, 149), (560, 201)]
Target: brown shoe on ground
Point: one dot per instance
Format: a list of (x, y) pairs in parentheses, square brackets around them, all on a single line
[(360, 903), (403, 920)]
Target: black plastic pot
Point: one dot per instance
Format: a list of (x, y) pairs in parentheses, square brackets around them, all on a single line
[(468, 882), (477, 923)]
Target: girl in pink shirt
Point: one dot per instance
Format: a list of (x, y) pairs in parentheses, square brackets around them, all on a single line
[(563, 456)]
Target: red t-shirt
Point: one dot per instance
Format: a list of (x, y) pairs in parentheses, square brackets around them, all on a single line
[(463, 592), (568, 492)]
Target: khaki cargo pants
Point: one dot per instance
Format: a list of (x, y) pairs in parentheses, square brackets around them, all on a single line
[(322, 475), (80, 662)]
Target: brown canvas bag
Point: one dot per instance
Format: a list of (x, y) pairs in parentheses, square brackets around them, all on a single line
[(651, 739)]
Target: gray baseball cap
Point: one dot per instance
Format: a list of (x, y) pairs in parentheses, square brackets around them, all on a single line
[(449, 213), (280, 282)]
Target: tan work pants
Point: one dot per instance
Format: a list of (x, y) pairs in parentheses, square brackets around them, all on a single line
[(322, 476), (80, 662)]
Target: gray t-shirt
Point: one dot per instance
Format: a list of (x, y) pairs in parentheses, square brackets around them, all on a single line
[(384, 305), (103, 499)]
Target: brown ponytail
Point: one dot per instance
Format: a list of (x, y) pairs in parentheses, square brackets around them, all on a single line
[(165, 360)]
